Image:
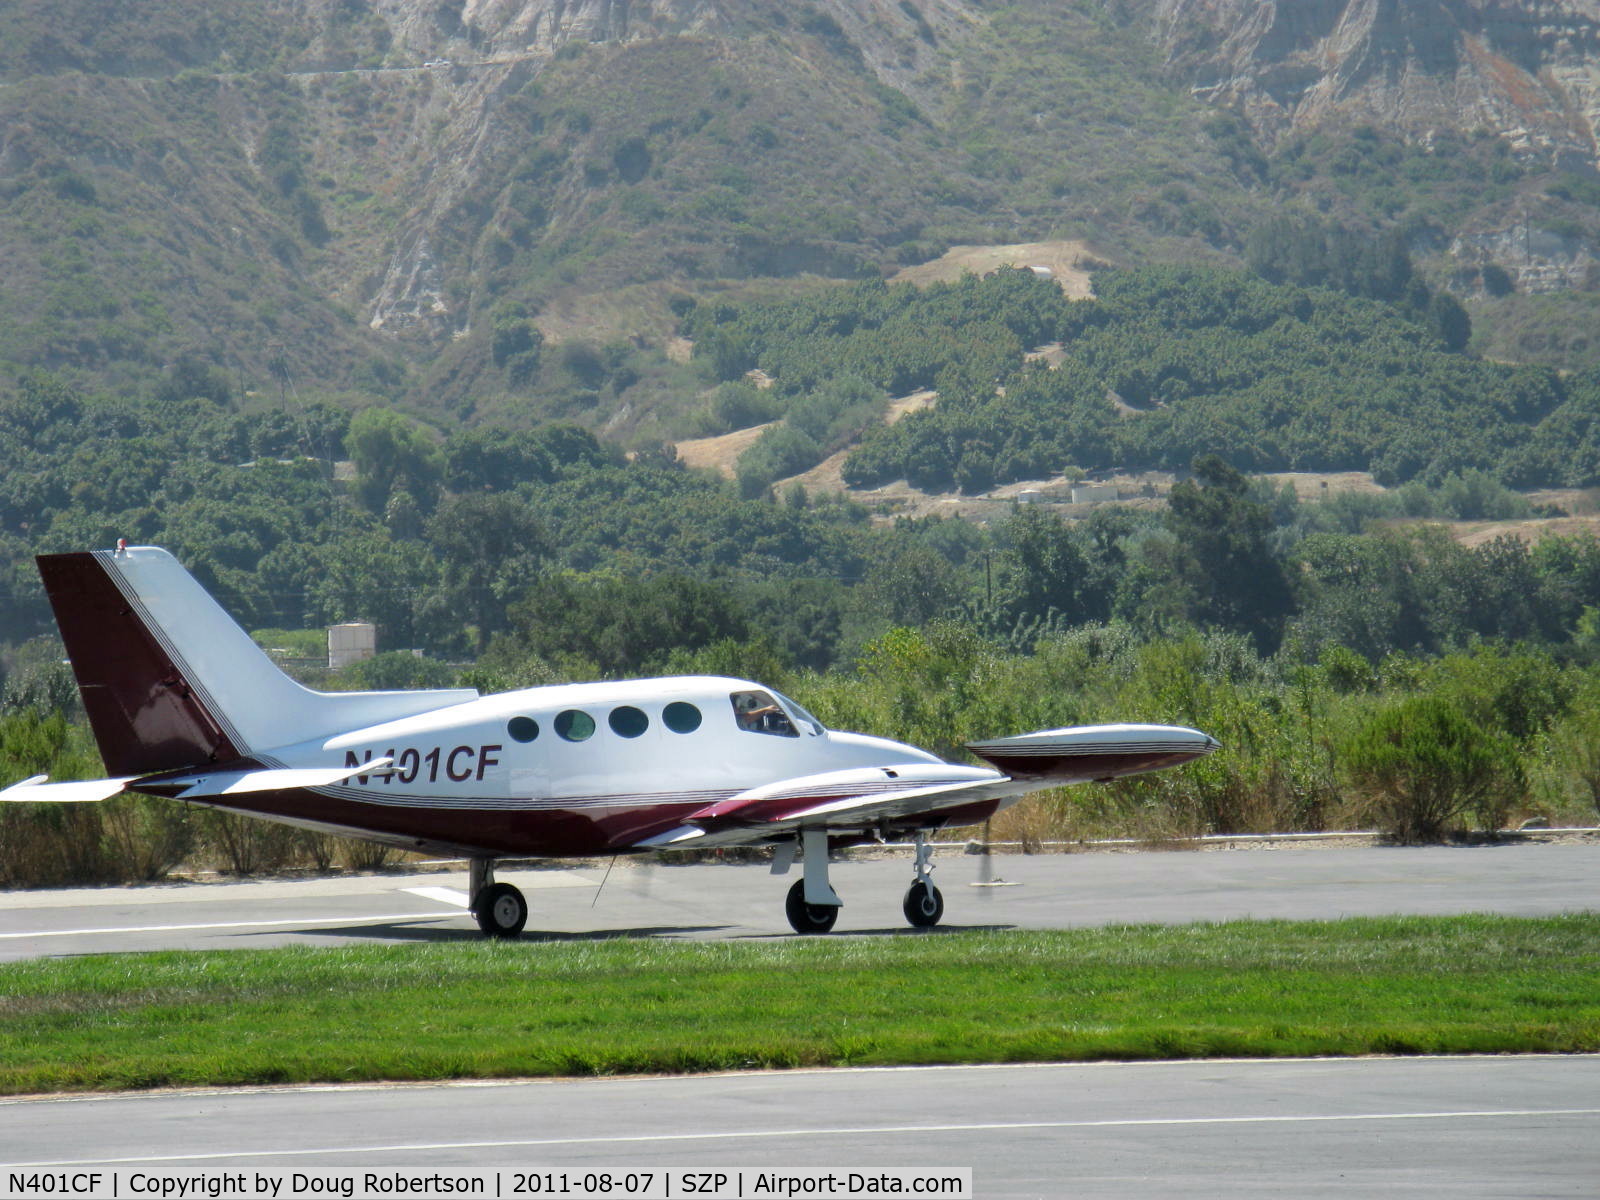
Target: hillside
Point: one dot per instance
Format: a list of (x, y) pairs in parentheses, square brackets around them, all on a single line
[(284, 192)]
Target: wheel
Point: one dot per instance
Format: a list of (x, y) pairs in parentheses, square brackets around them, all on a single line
[(501, 910), (809, 918), (924, 905)]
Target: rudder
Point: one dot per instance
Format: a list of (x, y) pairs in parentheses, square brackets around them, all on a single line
[(144, 714)]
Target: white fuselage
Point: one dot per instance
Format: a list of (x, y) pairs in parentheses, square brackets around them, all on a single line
[(628, 757)]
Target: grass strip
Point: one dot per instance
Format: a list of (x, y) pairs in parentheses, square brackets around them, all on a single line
[(1413, 985)]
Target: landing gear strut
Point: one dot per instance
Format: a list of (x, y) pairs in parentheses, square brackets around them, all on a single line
[(812, 905), (923, 905), (500, 909)]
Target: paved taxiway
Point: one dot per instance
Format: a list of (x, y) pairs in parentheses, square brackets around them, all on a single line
[(732, 900), (1485, 1127), (1463, 1127)]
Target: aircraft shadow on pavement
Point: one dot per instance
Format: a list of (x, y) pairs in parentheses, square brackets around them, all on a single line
[(406, 932), (888, 931)]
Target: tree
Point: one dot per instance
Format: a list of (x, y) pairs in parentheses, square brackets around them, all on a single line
[(623, 625), (390, 451), (912, 585), (516, 343), (496, 459), (1424, 763), (1224, 555), (491, 545)]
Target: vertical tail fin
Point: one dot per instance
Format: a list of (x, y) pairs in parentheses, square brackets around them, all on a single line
[(169, 680)]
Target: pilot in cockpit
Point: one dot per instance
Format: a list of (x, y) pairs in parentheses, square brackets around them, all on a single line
[(757, 712)]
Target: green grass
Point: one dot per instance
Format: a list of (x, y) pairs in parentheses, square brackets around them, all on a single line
[(1476, 984)]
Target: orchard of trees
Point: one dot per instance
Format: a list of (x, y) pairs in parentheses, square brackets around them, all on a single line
[(1349, 655)]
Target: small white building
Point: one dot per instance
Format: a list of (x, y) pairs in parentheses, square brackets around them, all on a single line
[(351, 643)]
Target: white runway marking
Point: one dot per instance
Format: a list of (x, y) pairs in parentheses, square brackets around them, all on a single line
[(280, 923), (857, 1131), (444, 895)]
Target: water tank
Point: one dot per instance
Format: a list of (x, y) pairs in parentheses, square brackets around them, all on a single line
[(351, 643)]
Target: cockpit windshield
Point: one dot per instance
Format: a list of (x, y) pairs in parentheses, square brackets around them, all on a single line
[(805, 720), (764, 712)]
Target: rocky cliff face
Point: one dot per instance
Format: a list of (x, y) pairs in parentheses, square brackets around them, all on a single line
[(376, 182), (540, 26), (897, 40), (1526, 69), (505, 43)]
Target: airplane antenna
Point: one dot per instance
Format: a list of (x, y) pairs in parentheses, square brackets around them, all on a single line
[(603, 879)]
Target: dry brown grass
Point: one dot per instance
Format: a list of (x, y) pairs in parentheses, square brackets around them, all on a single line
[(1069, 263)]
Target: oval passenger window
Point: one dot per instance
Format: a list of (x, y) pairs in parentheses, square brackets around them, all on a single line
[(573, 725), (628, 721), (681, 717)]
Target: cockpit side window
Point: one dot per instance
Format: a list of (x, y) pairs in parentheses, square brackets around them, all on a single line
[(760, 712)]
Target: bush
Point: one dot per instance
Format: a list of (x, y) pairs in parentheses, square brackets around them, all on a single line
[(778, 453), (1423, 764)]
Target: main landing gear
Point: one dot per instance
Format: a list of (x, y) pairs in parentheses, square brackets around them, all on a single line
[(812, 905), (500, 909), (808, 918)]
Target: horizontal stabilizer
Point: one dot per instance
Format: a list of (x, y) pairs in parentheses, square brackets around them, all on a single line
[(77, 791), (233, 783), (186, 787)]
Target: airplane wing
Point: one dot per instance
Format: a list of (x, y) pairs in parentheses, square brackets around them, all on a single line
[(867, 797), (853, 799)]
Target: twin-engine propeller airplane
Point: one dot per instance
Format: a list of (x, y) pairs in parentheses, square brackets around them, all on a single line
[(184, 704)]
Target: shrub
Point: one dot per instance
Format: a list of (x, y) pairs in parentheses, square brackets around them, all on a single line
[(1423, 764)]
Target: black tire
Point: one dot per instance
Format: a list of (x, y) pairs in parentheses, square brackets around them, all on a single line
[(808, 918), (924, 905), (501, 911)]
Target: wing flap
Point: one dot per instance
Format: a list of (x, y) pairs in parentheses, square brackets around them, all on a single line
[(838, 800)]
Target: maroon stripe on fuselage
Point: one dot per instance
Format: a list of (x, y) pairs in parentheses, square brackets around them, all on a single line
[(532, 833), (144, 714)]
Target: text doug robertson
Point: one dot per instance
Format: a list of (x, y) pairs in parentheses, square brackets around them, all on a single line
[(238, 1183)]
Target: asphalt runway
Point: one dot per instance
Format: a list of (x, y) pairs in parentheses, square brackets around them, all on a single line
[(1466, 1128), (727, 900), (1477, 1127)]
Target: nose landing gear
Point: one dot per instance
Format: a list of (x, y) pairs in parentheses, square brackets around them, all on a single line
[(924, 905)]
